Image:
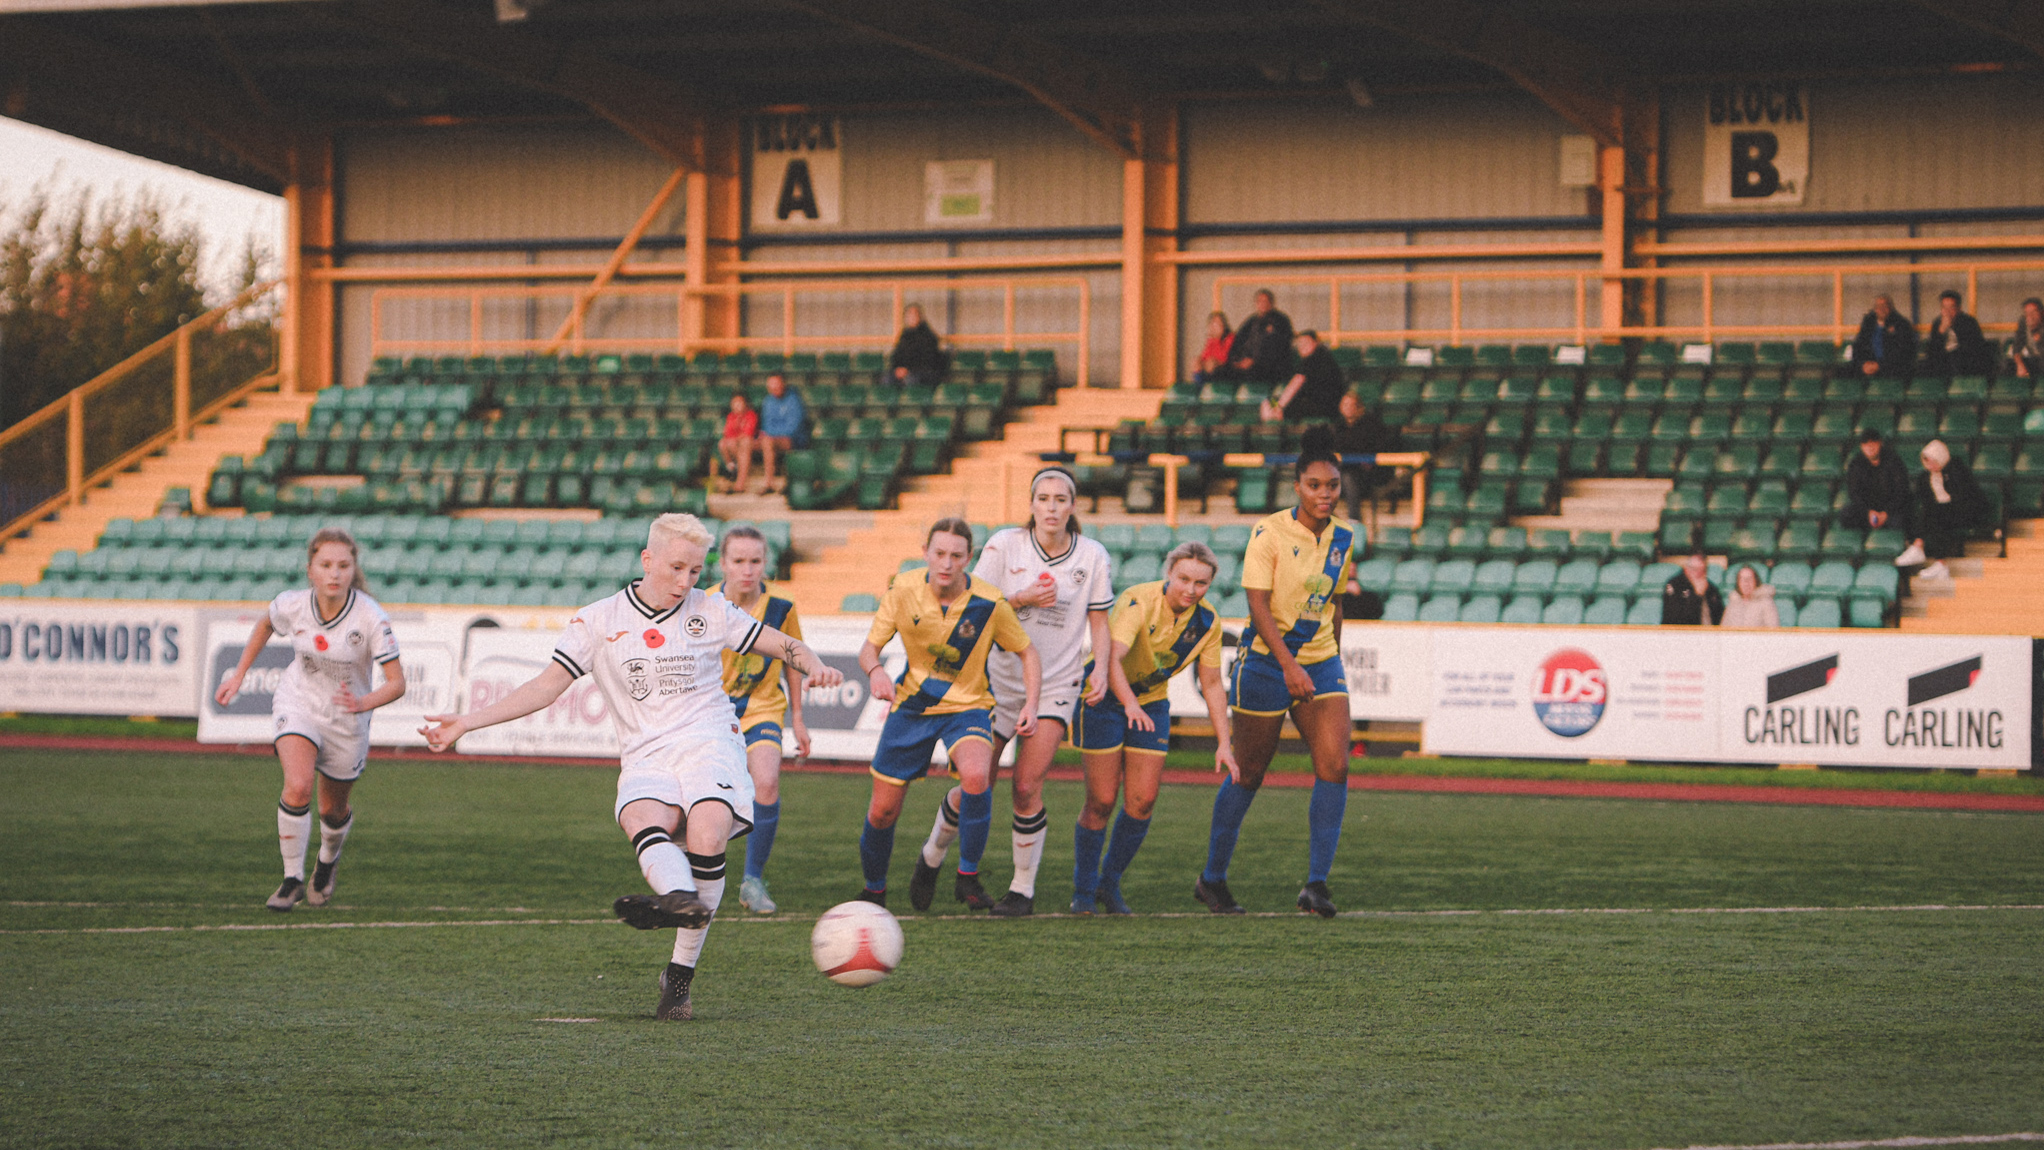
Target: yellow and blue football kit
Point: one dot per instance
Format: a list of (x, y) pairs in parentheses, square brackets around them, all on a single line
[(942, 695), (1304, 572), (753, 680), (1160, 644)]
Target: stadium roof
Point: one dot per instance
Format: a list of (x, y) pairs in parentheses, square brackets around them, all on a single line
[(223, 88)]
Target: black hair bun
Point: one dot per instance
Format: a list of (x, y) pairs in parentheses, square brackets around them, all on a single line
[(1316, 440)]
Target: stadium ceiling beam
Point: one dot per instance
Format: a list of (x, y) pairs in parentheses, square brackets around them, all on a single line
[(1565, 75), (2020, 22), (1097, 98), (657, 112)]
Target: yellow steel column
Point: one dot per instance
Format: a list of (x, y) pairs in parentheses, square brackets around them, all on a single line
[(1611, 186), (715, 216), (306, 354), (1149, 222)]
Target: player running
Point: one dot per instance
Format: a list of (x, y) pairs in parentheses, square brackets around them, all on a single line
[(322, 704), (1296, 564), (1159, 629), (1060, 584), (753, 681), (655, 652), (948, 622)]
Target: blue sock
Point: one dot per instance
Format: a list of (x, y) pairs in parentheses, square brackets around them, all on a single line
[(1230, 805), (766, 819), (876, 847), (1128, 839), (1323, 817), (1086, 844), (975, 819)]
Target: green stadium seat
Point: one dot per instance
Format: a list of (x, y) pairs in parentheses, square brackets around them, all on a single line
[(1820, 611), (1563, 610), (1576, 577), (1413, 575), (1481, 609), (1522, 610), (1606, 611), (1441, 609)]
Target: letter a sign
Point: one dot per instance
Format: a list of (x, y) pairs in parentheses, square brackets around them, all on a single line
[(797, 172), (1756, 144)]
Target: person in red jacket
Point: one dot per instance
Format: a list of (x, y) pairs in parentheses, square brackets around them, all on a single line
[(741, 434)]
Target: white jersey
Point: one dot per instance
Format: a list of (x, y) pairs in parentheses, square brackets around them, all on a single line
[(661, 672), (328, 654), (1084, 577)]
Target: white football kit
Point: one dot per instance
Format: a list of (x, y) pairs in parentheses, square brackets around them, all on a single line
[(328, 654), (1013, 562), (662, 677)]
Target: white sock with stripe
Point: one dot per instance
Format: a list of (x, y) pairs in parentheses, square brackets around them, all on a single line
[(943, 834), (663, 863), (1029, 831), (294, 834), (708, 871)]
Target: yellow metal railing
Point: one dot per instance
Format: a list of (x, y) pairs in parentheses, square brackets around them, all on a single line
[(132, 409)]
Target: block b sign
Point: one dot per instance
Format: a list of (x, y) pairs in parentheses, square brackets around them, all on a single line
[(1756, 144)]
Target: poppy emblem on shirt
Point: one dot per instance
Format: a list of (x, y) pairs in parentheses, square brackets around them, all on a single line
[(654, 638), (696, 627), (319, 641)]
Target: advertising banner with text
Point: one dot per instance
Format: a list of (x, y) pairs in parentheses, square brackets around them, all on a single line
[(99, 658)]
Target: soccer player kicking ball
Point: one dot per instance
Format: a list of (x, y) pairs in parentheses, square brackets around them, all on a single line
[(321, 708), (1296, 564), (753, 681), (655, 650), (1159, 629), (948, 622)]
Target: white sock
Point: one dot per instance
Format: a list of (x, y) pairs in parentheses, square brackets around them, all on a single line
[(333, 838), (663, 864), (294, 832), (708, 871), (1029, 832), (943, 834)]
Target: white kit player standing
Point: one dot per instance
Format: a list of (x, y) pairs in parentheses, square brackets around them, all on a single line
[(655, 651), (321, 705), (1061, 585)]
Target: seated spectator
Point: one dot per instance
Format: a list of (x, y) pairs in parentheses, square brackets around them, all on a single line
[(1213, 358), (1876, 487), (918, 357), (2027, 349), (1263, 344), (1887, 341), (783, 426), (1955, 345), (1314, 391), (1689, 595), (741, 428), (1949, 503), (1752, 602), (1359, 432)]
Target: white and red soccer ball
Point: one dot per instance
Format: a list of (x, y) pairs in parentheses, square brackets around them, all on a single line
[(856, 943)]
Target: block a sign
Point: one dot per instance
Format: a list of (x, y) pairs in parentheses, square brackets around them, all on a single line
[(1756, 143), (797, 171)]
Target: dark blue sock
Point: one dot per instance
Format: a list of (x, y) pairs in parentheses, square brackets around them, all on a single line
[(1086, 844), (975, 819), (1323, 818), (1128, 839), (1230, 805), (766, 819), (876, 847)]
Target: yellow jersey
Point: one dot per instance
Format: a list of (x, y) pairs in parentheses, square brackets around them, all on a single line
[(1161, 643), (1303, 573), (753, 680), (947, 646)]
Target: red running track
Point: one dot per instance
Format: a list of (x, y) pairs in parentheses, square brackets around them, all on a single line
[(1551, 788)]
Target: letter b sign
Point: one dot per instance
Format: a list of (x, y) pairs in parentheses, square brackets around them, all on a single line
[(1754, 176)]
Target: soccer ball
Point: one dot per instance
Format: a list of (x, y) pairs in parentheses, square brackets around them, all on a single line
[(856, 943)]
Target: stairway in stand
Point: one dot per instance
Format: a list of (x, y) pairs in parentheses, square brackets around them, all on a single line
[(988, 483), (135, 493), (2006, 598)]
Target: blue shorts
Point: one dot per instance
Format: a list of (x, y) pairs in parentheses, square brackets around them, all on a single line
[(1257, 686), (768, 732), (1106, 727), (908, 740)]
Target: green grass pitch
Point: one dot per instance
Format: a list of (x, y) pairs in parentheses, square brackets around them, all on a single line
[(1390, 1027)]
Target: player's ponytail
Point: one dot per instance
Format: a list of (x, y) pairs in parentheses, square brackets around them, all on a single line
[(1317, 446), (326, 535)]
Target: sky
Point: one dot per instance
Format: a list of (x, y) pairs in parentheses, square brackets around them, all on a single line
[(225, 214)]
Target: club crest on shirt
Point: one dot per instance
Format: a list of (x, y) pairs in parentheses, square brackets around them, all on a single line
[(637, 682), (966, 630), (354, 638), (696, 627)]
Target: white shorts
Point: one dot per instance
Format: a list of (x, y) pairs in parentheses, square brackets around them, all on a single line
[(709, 770), (341, 742), (1055, 699)]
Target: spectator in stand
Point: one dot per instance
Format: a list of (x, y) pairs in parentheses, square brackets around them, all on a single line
[(1213, 358), (2027, 349), (782, 426), (1263, 344), (1359, 432), (1751, 603), (918, 358), (1886, 343), (741, 430), (1313, 394), (1949, 503), (1689, 594), (1876, 487), (1955, 345)]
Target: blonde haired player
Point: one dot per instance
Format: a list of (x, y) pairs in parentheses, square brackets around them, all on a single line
[(655, 651), (753, 681), (322, 704)]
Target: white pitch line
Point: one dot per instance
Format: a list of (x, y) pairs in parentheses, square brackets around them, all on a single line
[(1933, 1140)]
